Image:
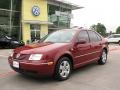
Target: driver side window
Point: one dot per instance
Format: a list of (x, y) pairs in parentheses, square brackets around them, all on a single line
[(83, 35)]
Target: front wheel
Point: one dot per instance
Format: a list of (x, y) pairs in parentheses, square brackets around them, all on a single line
[(63, 69), (103, 58)]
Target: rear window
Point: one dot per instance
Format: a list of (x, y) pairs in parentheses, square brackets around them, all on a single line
[(116, 36), (94, 37)]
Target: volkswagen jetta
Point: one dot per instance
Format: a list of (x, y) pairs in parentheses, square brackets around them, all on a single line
[(59, 53)]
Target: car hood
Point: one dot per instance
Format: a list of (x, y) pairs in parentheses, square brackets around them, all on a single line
[(39, 48)]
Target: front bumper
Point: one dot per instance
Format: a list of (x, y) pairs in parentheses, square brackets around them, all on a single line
[(40, 68)]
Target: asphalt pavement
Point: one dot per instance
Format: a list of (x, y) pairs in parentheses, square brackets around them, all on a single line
[(89, 77)]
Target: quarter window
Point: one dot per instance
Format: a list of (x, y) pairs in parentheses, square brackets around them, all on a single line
[(116, 36), (99, 37)]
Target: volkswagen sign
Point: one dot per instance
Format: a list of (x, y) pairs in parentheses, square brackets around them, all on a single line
[(36, 10)]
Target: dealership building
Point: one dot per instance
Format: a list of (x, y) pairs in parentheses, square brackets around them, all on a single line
[(30, 20)]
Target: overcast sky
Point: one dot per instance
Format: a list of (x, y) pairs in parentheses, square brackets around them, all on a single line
[(106, 12)]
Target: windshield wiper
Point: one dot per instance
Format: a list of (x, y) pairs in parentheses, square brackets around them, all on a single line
[(49, 42)]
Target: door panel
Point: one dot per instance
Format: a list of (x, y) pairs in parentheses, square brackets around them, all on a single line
[(82, 51), (96, 46)]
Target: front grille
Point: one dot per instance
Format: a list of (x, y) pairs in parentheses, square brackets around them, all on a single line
[(14, 55)]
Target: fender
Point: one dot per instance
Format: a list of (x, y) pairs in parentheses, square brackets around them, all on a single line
[(62, 53)]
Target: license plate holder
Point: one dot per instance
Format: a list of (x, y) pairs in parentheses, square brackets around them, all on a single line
[(16, 64)]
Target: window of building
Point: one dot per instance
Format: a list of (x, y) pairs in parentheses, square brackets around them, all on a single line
[(5, 4), (16, 5), (35, 32), (4, 18), (10, 16), (15, 18), (62, 21)]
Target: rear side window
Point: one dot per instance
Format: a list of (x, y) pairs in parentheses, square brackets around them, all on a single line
[(94, 37), (99, 37), (111, 36), (83, 36), (116, 36)]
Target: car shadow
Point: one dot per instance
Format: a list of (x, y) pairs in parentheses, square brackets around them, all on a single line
[(45, 80), (84, 68), (36, 79)]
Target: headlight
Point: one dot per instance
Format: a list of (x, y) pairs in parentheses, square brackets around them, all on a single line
[(35, 57)]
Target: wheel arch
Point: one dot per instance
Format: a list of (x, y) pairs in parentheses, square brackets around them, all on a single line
[(66, 55), (105, 48)]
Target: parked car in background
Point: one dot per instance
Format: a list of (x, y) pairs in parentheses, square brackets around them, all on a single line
[(114, 38), (59, 53), (8, 42)]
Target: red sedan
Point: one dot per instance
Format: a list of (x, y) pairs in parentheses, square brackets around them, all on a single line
[(59, 53)]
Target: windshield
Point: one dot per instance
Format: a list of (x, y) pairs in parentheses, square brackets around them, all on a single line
[(111, 36), (59, 37)]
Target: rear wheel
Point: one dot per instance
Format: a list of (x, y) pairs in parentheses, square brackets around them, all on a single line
[(63, 69), (119, 42), (103, 58)]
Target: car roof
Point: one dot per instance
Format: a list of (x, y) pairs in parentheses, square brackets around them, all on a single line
[(77, 29), (115, 34)]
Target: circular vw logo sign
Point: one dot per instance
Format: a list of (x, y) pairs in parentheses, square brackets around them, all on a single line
[(36, 10)]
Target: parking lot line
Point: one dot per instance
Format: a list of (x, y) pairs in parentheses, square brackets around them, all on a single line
[(3, 56), (114, 49), (4, 75)]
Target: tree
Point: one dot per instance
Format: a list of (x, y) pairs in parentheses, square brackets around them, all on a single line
[(118, 30), (93, 27), (100, 28)]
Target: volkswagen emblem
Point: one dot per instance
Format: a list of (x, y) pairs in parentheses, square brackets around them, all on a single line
[(36, 11)]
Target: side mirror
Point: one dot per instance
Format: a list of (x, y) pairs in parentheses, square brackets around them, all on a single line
[(82, 41)]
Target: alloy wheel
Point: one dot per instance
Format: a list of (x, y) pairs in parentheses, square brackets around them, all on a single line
[(64, 69), (104, 57)]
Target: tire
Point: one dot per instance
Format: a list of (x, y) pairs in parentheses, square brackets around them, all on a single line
[(119, 42), (103, 58), (63, 69)]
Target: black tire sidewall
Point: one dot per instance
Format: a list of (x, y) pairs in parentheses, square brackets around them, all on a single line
[(100, 61), (119, 43)]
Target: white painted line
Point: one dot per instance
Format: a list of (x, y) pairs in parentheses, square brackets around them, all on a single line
[(3, 56)]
